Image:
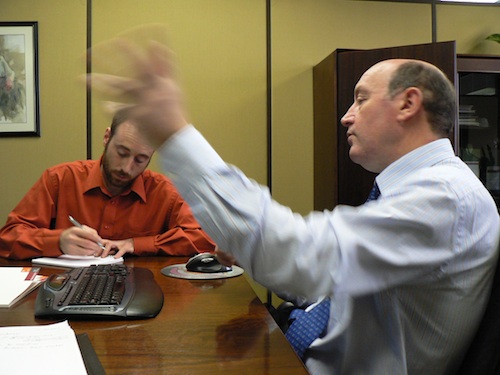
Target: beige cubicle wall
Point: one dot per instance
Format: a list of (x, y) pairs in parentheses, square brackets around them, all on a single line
[(304, 33), (220, 46), (469, 25), (61, 46)]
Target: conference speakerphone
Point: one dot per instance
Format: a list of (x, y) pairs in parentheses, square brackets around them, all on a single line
[(100, 291)]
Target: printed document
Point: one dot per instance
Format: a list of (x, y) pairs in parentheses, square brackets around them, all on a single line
[(41, 350)]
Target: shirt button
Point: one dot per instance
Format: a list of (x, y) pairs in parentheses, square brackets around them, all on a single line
[(107, 227)]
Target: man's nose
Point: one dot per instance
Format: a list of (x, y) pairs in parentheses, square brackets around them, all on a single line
[(348, 118), (127, 165)]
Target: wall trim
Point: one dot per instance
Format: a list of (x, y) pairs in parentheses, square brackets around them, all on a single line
[(88, 71)]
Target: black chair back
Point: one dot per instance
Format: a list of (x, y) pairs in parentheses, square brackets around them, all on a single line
[(483, 356)]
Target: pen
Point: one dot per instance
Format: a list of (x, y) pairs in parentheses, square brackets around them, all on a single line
[(77, 224)]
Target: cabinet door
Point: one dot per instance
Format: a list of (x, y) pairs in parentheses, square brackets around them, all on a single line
[(337, 180), (479, 118)]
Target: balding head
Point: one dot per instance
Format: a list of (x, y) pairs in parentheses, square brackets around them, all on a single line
[(399, 105)]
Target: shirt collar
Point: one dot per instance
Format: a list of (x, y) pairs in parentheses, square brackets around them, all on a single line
[(422, 157), (95, 181)]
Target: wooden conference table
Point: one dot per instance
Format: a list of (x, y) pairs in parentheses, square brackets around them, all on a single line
[(204, 327)]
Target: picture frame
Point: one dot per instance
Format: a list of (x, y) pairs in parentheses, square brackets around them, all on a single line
[(19, 86)]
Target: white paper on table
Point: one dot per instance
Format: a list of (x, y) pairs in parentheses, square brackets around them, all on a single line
[(42, 350), (15, 286), (75, 261)]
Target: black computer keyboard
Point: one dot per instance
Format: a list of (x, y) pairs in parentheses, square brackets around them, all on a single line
[(104, 291)]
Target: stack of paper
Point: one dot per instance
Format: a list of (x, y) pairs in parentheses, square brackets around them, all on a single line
[(75, 261), (17, 282)]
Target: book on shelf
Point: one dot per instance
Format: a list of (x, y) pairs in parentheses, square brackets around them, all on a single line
[(467, 117), (16, 283), (466, 108)]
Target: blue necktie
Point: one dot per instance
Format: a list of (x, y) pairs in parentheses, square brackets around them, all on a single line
[(374, 193), (308, 326)]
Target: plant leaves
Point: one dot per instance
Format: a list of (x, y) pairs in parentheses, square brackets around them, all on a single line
[(494, 37)]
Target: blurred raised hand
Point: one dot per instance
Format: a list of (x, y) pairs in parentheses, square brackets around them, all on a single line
[(136, 70)]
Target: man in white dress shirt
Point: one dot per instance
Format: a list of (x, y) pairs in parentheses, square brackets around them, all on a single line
[(408, 274)]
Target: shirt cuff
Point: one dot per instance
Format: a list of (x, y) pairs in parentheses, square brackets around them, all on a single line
[(51, 244), (144, 246)]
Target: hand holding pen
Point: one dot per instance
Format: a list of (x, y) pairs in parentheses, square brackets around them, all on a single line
[(76, 223), (81, 241)]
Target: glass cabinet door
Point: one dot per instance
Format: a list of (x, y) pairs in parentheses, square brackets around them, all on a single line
[(478, 118)]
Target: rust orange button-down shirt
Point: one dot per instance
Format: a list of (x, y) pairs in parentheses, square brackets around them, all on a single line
[(151, 212)]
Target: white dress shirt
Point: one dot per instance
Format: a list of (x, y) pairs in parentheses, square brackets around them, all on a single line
[(409, 274)]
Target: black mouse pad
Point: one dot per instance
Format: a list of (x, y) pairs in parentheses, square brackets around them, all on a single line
[(179, 271)]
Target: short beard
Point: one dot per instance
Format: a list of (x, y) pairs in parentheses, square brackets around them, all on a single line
[(108, 175)]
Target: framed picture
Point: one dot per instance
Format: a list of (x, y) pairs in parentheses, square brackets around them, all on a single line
[(19, 96)]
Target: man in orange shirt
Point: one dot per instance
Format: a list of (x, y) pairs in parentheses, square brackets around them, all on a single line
[(122, 206)]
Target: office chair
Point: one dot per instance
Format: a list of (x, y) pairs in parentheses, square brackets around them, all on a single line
[(483, 355)]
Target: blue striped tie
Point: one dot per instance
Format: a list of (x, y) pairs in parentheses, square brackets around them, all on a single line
[(374, 193), (308, 326)]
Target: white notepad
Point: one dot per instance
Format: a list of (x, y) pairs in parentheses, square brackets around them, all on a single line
[(16, 283), (75, 261)]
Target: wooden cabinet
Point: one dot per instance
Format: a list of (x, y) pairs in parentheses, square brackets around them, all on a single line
[(337, 180), (479, 117)]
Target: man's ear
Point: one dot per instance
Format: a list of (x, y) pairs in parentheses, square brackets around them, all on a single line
[(107, 136), (411, 103)]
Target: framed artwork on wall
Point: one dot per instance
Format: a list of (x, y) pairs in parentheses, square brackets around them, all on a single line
[(19, 94)]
